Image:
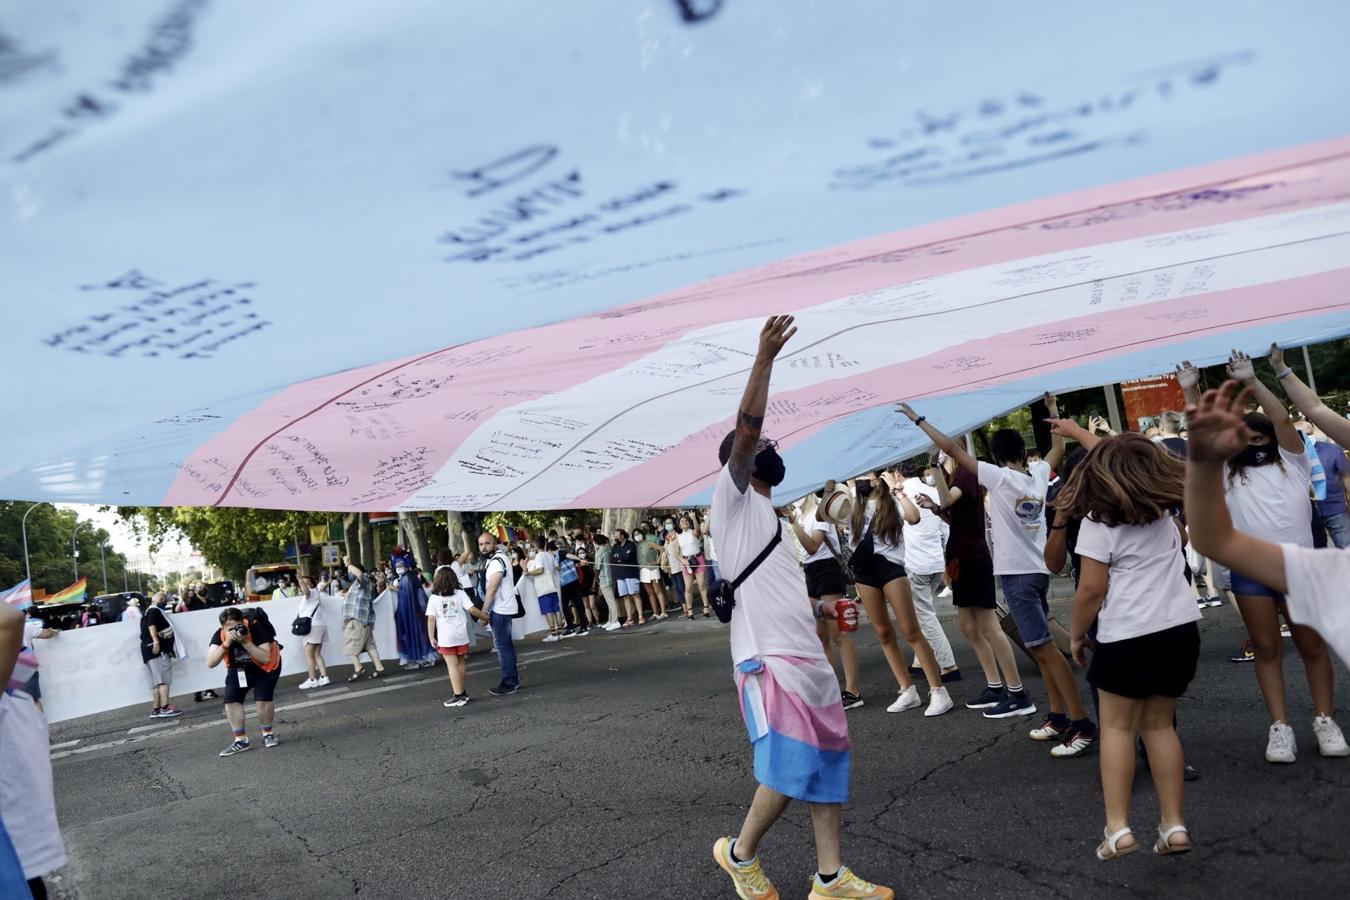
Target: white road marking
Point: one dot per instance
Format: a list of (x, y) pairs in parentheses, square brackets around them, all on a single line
[(336, 695), (155, 726)]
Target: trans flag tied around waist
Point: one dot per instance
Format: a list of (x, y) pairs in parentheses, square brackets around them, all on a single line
[(797, 727), (964, 205)]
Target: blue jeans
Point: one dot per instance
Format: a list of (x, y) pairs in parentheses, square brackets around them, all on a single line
[(506, 650), (1337, 526), (1026, 599)]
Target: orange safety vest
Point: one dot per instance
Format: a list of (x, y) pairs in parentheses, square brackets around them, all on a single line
[(273, 659)]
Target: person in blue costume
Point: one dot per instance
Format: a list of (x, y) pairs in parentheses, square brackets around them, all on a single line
[(410, 618)]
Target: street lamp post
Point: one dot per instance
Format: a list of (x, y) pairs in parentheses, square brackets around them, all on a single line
[(27, 574), (74, 550), (103, 562)]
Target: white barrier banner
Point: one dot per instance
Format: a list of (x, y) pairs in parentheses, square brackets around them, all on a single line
[(93, 670)]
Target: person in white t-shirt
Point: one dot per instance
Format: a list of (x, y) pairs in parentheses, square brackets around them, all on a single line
[(1126, 492), (502, 605), (788, 691), (1016, 492), (27, 798), (825, 585), (543, 568), (696, 565), (311, 607), (926, 567), (1267, 487), (449, 610), (1311, 582), (876, 533)]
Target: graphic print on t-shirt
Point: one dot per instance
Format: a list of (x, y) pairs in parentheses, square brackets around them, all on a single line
[(1028, 511)]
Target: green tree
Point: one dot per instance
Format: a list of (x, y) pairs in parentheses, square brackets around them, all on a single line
[(230, 538), (49, 550)]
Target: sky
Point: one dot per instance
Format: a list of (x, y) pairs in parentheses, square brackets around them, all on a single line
[(174, 556)]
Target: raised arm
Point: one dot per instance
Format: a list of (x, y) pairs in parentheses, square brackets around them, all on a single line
[(1306, 400), (1068, 428), (908, 510), (947, 495), (944, 443), (777, 331), (1057, 445), (1216, 432), (1188, 377), (1240, 367)]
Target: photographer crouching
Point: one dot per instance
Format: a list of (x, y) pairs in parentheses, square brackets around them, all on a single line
[(248, 644)]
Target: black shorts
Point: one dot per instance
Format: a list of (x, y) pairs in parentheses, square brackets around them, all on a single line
[(879, 572), (262, 683), (824, 578), (973, 586), (1158, 664)]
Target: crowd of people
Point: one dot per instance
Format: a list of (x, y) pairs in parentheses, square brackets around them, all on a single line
[(1233, 501), (1234, 485)]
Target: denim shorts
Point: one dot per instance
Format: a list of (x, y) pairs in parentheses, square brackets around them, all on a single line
[(1246, 587), (1026, 599), (628, 587)]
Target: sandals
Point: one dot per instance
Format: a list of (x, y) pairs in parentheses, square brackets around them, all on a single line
[(642, 621), (377, 673), (355, 676), (1164, 846), (707, 613), (1110, 848)]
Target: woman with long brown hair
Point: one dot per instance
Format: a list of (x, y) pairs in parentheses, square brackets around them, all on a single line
[(1128, 493), (877, 535), (1268, 487)]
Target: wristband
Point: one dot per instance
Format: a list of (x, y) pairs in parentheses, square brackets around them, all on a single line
[(1058, 527), (920, 420), (1283, 373)]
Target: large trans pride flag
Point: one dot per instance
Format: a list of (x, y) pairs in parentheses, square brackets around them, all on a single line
[(471, 255)]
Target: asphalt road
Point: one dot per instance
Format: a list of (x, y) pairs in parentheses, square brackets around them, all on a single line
[(621, 760)]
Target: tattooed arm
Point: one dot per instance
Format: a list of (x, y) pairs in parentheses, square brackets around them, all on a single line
[(750, 419)]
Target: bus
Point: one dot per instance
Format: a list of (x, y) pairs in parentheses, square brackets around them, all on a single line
[(262, 580)]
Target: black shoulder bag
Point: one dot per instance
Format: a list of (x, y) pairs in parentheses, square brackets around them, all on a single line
[(301, 625), (724, 598)]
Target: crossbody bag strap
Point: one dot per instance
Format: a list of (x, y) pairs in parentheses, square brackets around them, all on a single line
[(763, 555)]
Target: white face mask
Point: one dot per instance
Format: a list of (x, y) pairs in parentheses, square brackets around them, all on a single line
[(930, 480)]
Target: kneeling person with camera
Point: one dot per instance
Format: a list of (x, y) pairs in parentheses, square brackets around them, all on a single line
[(248, 645)]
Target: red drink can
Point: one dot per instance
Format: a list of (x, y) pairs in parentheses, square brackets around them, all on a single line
[(846, 613)]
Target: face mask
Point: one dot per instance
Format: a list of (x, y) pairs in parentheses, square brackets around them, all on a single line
[(930, 480), (1253, 455), (769, 467), (864, 488), (399, 570)]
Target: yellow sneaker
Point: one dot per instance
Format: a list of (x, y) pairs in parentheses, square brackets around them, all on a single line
[(751, 884), (849, 885)]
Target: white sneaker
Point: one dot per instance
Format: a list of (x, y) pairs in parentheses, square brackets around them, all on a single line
[(939, 702), (307, 684), (1281, 747), (1330, 741), (550, 638), (945, 592), (322, 682), (908, 699), (611, 626)]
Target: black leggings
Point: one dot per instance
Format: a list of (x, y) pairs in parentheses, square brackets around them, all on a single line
[(37, 888), (572, 605)]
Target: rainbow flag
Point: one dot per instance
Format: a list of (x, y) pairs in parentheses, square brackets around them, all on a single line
[(20, 596), (72, 594)]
